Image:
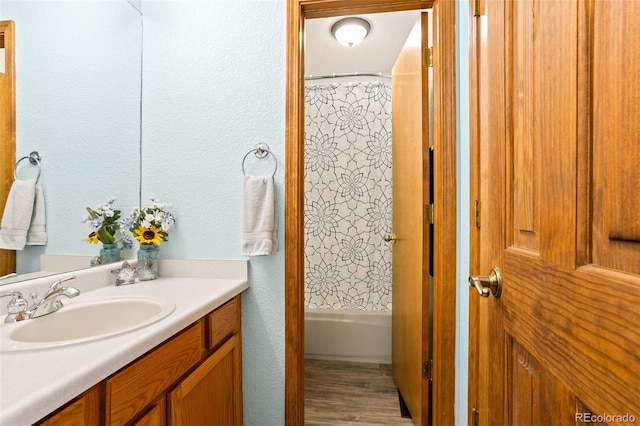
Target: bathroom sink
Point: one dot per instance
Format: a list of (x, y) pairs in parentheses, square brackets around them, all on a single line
[(86, 321)]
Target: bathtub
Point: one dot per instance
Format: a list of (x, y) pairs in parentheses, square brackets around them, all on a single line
[(359, 336)]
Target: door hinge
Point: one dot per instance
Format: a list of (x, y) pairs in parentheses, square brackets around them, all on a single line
[(475, 414), (476, 213), (427, 57), (427, 370), (428, 214), (477, 9)]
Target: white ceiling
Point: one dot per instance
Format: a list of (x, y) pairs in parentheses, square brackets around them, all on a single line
[(376, 54)]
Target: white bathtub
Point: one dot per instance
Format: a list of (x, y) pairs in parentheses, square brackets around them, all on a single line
[(359, 336)]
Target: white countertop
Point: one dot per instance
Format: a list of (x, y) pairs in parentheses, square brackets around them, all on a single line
[(35, 383)]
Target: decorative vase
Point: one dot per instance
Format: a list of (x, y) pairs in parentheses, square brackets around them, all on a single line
[(109, 253), (148, 262)]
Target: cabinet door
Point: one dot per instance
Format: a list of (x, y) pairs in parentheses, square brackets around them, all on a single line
[(83, 411), (212, 394), (154, 415), (136, 386)]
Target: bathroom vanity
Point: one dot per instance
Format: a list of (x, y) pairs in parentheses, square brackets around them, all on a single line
[(185, 368)]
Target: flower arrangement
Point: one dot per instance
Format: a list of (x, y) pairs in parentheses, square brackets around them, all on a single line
[(105, 227), (150, 225)]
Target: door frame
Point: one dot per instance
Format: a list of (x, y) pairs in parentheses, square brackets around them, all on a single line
[(444, 297), (8, 134)]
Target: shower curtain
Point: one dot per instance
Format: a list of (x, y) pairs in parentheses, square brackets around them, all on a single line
[(348, 196)]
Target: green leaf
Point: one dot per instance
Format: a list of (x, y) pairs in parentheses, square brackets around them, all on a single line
[(105, 237), (92, 214)]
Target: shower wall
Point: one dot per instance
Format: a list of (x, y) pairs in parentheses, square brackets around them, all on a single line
[(348, 196)]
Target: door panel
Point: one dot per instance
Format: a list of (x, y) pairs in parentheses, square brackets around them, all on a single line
[(616, 129), (557, 138), (410, 296), (526, 144)]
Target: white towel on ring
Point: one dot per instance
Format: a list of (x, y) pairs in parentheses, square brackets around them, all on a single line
[(259, 221), (37, 235), (16, 218)]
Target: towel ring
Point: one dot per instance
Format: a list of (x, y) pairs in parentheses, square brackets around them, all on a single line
[(261, 151), (34, 158)]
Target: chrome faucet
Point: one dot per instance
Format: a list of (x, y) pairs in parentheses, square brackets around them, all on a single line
[(19, 309), (51, 301)]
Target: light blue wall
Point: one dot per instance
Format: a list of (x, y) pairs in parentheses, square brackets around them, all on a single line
[(214, 84), (77, 104), (463, 207)]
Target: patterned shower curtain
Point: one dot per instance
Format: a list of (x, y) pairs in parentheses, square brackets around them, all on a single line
[(348, 196)]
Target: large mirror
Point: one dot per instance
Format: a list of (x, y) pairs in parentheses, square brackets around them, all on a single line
[(78, 103)]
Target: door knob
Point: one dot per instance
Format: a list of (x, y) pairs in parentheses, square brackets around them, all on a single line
[(487, 284), (390, 237)]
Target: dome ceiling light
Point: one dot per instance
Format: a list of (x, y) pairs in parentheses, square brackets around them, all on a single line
[(350, 31)]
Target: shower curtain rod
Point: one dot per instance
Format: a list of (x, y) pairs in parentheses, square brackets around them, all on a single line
[(347, 74)]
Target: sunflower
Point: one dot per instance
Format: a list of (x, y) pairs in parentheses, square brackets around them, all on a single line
[(92, 238), (150, 235)]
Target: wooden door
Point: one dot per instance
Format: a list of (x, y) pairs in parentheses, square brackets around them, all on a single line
[(410, 295), (7, 130), (556, 138), (212, 394), (83, 411)]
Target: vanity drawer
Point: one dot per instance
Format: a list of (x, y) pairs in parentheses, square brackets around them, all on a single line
[(223, 322), (137, 385)]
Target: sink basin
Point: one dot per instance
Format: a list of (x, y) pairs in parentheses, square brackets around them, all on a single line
[(86, 321)]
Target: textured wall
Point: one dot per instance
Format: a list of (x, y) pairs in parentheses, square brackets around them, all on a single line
[(348, 196), (77, 103), (463, 209), (214, 85)]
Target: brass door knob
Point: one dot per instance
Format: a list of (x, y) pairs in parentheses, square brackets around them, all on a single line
[(491, 284), (390, 238)]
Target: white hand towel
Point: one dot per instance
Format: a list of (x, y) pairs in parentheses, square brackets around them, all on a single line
[(37, 235), (16, 218), (259, 221)]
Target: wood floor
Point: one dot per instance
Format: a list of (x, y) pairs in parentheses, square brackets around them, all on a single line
[(344, 393)]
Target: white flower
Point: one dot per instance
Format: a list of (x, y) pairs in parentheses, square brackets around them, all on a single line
[(153, 215), (108, 213)]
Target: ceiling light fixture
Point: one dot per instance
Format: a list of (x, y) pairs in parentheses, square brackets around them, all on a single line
[(350, 31)]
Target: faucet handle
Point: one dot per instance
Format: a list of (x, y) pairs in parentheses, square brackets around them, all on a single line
[(63, 280), (56, 285), (16, 306)]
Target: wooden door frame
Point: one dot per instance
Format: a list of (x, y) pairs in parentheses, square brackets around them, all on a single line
[(444, 297), (8, 134)]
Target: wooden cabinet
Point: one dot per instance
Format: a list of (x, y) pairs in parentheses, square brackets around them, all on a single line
[(154, 416), (81, 411), (194, 378), (211, 395), (137, 385)]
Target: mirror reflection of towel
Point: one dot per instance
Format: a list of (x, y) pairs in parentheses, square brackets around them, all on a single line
[(16, 218), (23, 220), (259, 222)]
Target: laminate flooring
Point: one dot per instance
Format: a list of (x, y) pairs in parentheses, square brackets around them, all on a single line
[(339, 393)]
